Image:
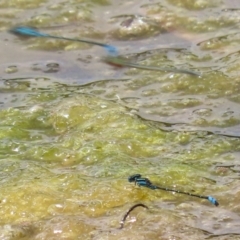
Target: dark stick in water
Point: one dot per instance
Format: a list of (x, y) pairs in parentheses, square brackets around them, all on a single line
[(129, 211), (121, 62)]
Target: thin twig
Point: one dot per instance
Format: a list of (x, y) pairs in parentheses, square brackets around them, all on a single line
[(128, 212)]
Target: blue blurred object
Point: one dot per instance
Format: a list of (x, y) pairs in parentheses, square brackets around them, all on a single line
[(145, 182), (33, 32), (27, 31)]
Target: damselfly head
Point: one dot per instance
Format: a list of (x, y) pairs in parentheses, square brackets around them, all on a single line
[(25, 31), (134, 177)]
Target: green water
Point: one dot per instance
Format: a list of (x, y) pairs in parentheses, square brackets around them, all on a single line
[(73, 129)]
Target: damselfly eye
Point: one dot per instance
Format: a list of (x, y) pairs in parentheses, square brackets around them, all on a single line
[(134, 177)]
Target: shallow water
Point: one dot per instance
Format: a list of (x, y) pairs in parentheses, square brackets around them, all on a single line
[(73, 129)]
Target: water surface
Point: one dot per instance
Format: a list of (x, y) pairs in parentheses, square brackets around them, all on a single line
[(73, 128)]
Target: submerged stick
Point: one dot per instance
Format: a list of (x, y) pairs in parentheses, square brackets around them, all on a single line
[(121, 62), (129, 211)]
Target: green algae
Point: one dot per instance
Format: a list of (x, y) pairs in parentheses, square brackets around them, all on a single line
[(102, 139), (180, 15), (195, 4), (89, 186), (71, 162), (180, 94), (23, 4), (135, 27)]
